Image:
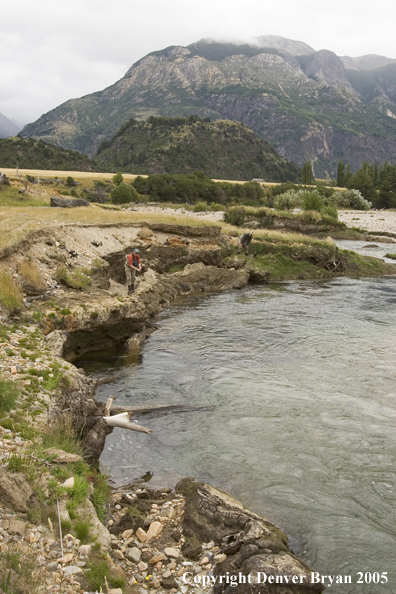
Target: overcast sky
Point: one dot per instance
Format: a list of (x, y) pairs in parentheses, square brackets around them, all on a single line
[(53, 50)]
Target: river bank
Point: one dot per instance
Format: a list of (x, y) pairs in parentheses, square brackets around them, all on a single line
[(59, 322)]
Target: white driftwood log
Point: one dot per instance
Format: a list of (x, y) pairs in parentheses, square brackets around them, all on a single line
[(122, 420)]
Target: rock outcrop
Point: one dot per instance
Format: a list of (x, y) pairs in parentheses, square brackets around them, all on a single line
[(57, 202), (250, 544)]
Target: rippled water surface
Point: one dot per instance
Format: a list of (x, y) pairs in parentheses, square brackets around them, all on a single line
[(303, 383)]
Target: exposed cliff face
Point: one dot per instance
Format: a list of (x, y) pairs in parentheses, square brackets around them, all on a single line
[(282, 97)]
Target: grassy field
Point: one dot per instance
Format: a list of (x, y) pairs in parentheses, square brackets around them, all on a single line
[(77, 175), (84, 175)]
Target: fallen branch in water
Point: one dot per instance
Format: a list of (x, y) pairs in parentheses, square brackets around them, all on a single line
[(122, 420)]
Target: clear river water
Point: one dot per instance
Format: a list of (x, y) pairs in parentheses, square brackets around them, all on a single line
[(302, 380)]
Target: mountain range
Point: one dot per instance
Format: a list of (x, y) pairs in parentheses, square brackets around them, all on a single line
[(310, 105), (7, 127)]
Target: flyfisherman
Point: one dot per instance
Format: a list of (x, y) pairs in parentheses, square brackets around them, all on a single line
[(243, 241), (132, 265)]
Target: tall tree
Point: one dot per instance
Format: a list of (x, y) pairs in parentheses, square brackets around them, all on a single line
[(341, 174), (306, 173)]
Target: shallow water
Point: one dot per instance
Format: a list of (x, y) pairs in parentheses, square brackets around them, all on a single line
[(302, 377)]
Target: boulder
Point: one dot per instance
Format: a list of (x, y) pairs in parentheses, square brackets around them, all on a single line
[(97, 530), (57, 202), (249, 542), (15, 491)]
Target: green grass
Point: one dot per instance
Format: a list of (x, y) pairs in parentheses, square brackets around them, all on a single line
[(77, 279), (61, 436), (11, 197), (282, 267), (98, 570), (101, 495), (82, 530), (9, 393)]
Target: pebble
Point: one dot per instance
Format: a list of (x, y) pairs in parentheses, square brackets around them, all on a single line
[(141, 534), (133, 554), (172, 552), (154, 530), (71, 570)]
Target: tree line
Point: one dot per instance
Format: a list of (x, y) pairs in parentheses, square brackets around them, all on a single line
[(377, 183)]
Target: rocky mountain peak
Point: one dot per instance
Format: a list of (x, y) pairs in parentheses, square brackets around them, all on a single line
[(326, 67), (7, 128), (290, 46)]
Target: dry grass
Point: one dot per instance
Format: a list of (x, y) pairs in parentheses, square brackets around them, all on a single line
[(10, 294), (76, 175), (31, 275), (17, 222)]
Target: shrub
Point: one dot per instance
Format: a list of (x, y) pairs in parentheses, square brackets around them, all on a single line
[(331, 211), (118, 179), (69, 181), (200, 206), (124, 193), (10, 294), (287, 201), (216, 207), (311, 200), (235, 216), (354, 199)]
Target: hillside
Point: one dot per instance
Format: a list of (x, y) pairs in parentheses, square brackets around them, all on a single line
[(33, 154), (7, 128), (223, 150), (305, 103)]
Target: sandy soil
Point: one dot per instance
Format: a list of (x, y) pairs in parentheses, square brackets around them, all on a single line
[(203, 216)]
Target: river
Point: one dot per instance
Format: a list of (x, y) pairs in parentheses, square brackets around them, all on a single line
[(302, 379)]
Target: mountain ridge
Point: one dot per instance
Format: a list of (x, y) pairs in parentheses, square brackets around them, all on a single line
[(308, 106), (222, 149), (7, 127)]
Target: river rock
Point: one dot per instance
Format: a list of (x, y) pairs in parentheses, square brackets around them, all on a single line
[(157, 558), (141, 534), (250, 542), (71, 570), (172, 552), (169, 582), (154, 530), (133, 554)]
